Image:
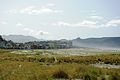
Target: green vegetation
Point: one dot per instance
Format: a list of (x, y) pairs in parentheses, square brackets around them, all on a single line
[(56, 44), (46, 65)]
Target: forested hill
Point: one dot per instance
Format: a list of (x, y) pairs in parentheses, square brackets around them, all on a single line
[(105, 42), (55, 44)]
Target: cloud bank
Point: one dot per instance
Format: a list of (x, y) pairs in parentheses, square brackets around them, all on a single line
[(90, 23), (35, 10)]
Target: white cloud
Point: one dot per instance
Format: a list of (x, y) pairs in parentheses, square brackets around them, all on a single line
[(115, 22), (30, 31), (3, 22), (97, 17), (90, 23), (42, 33), (19, 24), (50, 5), (34, 10), (61, 23), (35, 32), (94, 12), (13, 11), (84, 23)]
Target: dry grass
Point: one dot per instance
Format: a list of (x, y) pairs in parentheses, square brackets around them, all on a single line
[(22, 67)]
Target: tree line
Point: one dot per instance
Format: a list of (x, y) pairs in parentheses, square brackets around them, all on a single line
[(55, 44)]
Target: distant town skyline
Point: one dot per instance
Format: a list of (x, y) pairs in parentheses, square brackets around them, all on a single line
[(60, 19)]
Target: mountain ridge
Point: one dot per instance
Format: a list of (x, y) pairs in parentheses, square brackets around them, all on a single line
[(103, 42), (20, 38)]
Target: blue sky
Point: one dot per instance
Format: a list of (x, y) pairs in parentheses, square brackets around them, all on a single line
[(58, 19)]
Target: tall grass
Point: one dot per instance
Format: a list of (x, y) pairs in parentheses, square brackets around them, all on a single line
[(38, 67), (11, 70)]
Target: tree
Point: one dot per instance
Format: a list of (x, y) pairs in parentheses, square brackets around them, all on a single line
[(1, 39)]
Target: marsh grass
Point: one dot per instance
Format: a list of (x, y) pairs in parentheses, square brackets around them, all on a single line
[(38, 67), (12, 70)]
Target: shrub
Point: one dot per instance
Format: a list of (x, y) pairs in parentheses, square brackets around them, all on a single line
[(87, 77), (60, 75)]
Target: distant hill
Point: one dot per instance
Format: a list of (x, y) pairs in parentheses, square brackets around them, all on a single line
[(105, 42), (20, 38)]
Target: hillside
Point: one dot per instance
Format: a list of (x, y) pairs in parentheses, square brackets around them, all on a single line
[(20, 38), (105, 42)]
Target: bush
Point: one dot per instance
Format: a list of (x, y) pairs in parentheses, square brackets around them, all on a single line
[(60, 75), (115, 77)]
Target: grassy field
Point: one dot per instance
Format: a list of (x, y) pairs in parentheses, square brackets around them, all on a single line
[(85, 64)]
